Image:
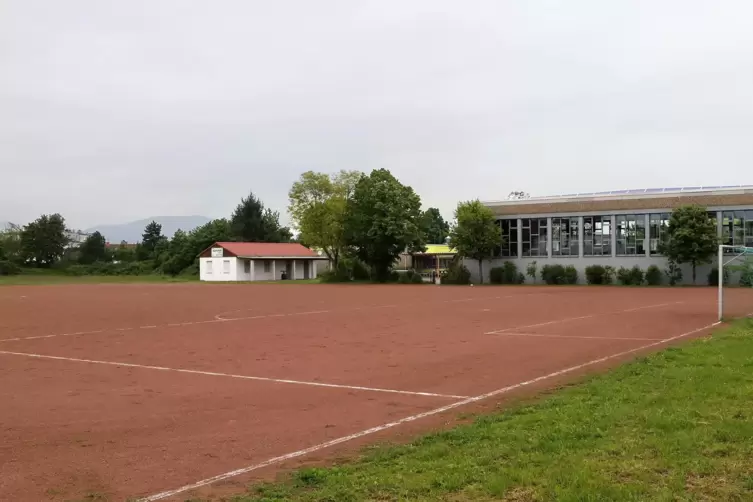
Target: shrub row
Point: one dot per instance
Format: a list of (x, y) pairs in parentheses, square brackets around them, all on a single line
[(557, 274), (102, 268), (410, 277)]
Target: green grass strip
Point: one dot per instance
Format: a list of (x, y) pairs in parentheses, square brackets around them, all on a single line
[(674, 426)]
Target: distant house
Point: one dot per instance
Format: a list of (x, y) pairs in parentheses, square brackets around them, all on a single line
[(257, 261), (75, 237), (437, 257)]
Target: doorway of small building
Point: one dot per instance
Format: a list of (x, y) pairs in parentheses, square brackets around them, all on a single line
[(307, 269), (289, 269)]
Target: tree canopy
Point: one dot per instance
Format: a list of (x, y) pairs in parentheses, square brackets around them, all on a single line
[(252, 222), (318, 203), (382, 220), (435, 228), (476, 234), (43, 240), (93, 249), (691, 237)]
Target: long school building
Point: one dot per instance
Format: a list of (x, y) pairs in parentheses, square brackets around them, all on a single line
[(622, 228)]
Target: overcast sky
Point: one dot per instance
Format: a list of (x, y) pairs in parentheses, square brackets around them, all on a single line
[(112, 111)]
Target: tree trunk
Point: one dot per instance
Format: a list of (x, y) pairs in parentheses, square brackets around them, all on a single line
[(480, 272), (693, 273)]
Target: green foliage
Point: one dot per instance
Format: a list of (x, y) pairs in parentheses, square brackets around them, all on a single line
[(10, 246), (630, 276), (9, 268), (383, 220), (746, 272), (317, 208), (457, 273), (531, 270), (252, 222), (476, 234), (673, 273), (653, 275), (570, 275), (93, 249), (417, 279), (124, 253), (609, 274), (596, 274), (506, 274), (43, 240), (691, 237), (150, 239), (435, 228), (105, 268), (555, 274), (406, 277), (713, 277)]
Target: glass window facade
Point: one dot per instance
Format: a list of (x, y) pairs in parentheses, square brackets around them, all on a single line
[(597, 236), (509, 246), (565, 238), (535, 236), (737, 228), (658, 225), (631, 234)]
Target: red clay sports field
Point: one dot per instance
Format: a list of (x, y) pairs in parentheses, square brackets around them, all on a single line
[(162, 392)]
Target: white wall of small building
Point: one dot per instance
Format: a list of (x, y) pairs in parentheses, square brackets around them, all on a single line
[(218, 269), (244, 269)]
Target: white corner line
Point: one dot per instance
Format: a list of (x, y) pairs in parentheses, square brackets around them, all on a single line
[(579, 337), (412, 418), (231, 375), (567, 319)]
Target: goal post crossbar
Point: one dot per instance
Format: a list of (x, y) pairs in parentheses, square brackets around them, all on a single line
[(736, 252)]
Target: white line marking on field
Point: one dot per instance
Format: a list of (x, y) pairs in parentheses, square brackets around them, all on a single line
[(544, 335), (230, 375), (412, 418), (567, 319), (220, 319)]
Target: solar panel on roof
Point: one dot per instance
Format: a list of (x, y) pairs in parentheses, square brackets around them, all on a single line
[(673, 189), (616, 192), (653, 190), (691, 188), (711, 188)]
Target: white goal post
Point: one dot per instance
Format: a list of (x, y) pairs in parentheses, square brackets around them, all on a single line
[(730, 253)]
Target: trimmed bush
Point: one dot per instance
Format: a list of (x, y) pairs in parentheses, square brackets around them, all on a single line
[(713, 278), (456, 274), (653, 276), (405, 277), (673, 273), (506, 274), (9, 268), (417, 279), (553, 274), (521, 278), (630, 276), (596, 274), (496, 275), (571, 275), (636, 275), (609, 274)]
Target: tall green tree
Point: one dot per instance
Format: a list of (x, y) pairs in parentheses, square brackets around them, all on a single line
[(318, 203), (383, 219), (691, 237), (435, 228), (10, 245), (93, 249), (252, 222), (150, 240), (43, 240), (476, 234)]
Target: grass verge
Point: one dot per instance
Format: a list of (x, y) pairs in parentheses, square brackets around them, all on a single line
[(676, 425)]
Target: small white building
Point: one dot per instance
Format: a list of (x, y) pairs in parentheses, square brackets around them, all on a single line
[(257, 261)]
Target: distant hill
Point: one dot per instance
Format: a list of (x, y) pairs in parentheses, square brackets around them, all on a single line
[(131, 232)]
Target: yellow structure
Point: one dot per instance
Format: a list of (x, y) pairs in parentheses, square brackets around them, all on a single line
[(437, 257)]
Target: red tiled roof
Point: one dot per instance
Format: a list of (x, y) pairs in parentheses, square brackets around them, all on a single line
[(267, 249)]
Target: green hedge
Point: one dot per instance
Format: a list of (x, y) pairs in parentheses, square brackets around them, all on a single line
[(9, 268), (506, 274)]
